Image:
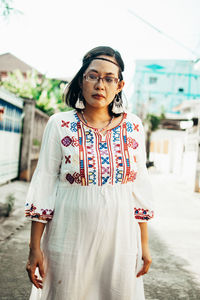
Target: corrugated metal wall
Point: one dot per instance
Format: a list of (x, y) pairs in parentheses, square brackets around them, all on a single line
[(10, 135)]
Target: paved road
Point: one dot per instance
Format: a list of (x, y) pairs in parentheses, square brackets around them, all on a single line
[(14, 283), (167, 280)]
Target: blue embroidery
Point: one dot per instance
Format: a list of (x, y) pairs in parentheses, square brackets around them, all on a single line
[(116, 134), (73, 126), (129, 126), (112, 154), (76, 117), (89, 136), (128, 162), (103, 146), (116, 137), (125, 139), (92, 176), (105, 160), (116, 129), (105, 179), (80, 140), (119, 175)]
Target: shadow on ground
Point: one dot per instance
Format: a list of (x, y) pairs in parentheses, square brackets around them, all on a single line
[(167, 278)]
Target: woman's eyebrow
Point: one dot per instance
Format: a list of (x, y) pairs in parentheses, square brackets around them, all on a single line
[(108, 73), (93, 70)]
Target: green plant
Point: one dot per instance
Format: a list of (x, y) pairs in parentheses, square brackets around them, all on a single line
[(6, 8), (36, 142), (152, 121), (46, 92)]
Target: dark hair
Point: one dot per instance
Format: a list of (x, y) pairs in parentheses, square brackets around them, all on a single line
[(73, 89)]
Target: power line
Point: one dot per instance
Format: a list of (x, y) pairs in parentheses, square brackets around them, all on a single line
[(163, 33)]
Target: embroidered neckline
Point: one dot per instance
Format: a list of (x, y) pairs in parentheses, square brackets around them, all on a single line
[(96, 130)]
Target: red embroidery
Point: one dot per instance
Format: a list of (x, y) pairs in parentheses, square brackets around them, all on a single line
[(136, 126), (76, 177), (132, 143), (74, 142), (143, 214), (65, 124), (46, 214), (81, 154), (105, 170), (118, 161), (66, 141), (125, 155), (67, 159), (70, 178), (117, 148), (91, 162), (132, 176)]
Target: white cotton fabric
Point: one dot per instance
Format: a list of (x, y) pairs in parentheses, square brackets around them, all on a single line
[(92, 245)]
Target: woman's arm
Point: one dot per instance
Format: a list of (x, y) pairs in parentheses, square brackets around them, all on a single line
[(35, 254), (145, 249)]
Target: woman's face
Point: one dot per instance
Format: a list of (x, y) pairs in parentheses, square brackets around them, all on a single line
[(97, 92)]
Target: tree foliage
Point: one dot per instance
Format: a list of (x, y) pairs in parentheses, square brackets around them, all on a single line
[(152, 121), (46, 92), (6, 8)]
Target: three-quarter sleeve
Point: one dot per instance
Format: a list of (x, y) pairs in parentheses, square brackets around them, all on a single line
[(142, 190), (41, 195)]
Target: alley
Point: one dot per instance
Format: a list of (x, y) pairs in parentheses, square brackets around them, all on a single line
[(174, 243), (167, 280)]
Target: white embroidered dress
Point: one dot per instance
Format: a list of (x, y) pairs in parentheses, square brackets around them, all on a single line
[(91, 190)]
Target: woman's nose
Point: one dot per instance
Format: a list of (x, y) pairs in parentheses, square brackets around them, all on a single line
[(100, 83)]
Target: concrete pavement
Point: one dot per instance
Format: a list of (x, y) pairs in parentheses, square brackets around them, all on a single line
[(16, 220), (177, 219), (174, 242)]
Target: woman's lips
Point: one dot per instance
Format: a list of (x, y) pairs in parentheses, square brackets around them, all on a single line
[(98, 96)]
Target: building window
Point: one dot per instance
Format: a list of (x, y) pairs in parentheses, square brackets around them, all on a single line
[(152, 99), (181, 90), (153, 80)]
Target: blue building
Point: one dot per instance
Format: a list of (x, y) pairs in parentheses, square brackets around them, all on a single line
[(161, 85)]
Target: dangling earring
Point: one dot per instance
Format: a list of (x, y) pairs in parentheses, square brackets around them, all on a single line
[(79, 103), (117, 105)]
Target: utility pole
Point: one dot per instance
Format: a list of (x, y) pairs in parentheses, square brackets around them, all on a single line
[(197, 175)]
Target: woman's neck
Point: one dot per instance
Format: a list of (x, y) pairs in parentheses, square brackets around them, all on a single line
[(94, 115)]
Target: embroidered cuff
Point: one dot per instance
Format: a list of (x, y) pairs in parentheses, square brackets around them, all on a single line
[(143, 214), (42, 214)]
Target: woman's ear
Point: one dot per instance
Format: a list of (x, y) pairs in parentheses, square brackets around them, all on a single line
[(120, 86)]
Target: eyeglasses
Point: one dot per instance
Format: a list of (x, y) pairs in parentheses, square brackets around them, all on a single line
[(94, 78)]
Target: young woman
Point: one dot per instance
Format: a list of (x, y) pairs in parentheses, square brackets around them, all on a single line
[(91, 193)]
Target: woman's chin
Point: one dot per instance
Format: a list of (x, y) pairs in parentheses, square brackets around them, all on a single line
[(98, 104)]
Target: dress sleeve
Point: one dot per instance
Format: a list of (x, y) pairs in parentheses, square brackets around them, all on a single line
[(142, 190), (42, 190)]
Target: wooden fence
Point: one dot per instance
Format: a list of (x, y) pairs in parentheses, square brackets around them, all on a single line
[(33, 128)]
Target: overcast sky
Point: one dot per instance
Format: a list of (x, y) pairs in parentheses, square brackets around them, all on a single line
[(52, 36)]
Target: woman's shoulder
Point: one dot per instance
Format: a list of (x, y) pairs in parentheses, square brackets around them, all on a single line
[(133, 118), (66, 116)]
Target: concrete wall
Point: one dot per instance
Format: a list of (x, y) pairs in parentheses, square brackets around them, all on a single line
[(166, 150), (176, 152)]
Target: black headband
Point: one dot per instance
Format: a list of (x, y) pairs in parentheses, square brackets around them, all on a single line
[(102, 58)]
